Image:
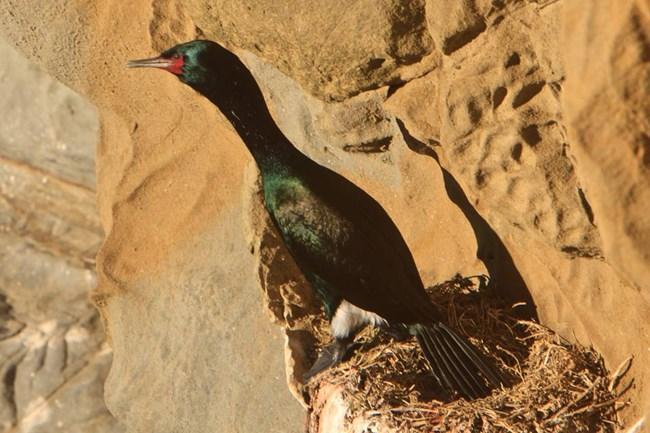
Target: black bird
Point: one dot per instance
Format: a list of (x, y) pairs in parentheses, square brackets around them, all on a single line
[(342, 240)]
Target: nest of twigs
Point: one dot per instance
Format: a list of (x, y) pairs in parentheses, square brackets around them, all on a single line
[(554, 386)]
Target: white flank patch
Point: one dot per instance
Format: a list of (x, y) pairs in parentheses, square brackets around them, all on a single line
[(350, 318)]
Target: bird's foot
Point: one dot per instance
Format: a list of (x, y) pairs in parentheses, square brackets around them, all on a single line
[(329, 356)]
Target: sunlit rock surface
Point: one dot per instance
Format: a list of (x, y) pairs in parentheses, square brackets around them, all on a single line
[(53, 354), (537, 113)]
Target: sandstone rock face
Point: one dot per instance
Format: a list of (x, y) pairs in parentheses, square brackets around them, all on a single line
[(53, 357), (608, 114), (378, 41), (504, 137), (177, 280)]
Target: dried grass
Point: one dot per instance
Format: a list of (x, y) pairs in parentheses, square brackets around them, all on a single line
[(557, 387)]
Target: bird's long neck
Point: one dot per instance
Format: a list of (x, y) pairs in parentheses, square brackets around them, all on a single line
[(234, 91)]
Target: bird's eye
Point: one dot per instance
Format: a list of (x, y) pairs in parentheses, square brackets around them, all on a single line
[(176, 56)]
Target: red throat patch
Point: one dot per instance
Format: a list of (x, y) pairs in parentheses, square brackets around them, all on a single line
[(176, 65)]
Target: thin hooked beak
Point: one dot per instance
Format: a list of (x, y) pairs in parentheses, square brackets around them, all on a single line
[(155, 62)]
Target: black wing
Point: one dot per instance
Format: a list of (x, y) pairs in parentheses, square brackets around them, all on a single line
[(338, 232)]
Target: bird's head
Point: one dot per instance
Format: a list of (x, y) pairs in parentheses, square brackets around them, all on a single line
[(190, 61)]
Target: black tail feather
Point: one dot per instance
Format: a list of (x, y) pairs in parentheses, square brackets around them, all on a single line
[(454, 362), (436, 363), (463, 374), (490, 374)]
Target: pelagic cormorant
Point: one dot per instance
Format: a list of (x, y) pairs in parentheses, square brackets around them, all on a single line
[(342, 239)]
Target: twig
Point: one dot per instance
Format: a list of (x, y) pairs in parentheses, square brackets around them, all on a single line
[(618, 374)]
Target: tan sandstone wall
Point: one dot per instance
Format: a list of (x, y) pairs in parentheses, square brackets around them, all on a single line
[(538, 111)]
